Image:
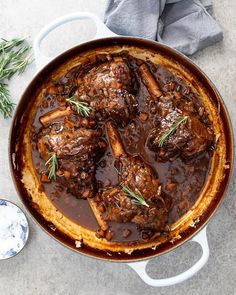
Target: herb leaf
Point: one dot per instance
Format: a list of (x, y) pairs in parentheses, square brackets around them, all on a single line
[(6, 106), (180, 120), (82, 107), (52, 166), (136, 199), (13, 60), (6, 45)]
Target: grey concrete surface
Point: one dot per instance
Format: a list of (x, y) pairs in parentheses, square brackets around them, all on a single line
[(46, 267)]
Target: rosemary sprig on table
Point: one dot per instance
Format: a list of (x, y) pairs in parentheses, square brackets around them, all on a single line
[(13, 60), (8, 45), (81, 106), (6, 106), (52, 166), (136, 199), (180, 120)]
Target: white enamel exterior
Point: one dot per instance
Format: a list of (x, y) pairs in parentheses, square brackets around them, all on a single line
[(140, 266), (102, 31)]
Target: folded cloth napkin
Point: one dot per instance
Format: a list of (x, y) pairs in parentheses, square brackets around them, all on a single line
[(186, 25)]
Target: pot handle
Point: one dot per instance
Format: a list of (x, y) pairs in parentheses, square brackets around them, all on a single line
[(102, 31), (140, 267)]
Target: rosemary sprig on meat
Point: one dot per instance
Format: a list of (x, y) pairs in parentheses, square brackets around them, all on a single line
[(13, 60), (82, 107), (180, 120), (52, 166), (136, 199)]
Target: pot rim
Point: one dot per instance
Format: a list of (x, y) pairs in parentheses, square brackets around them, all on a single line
[(152, 45)]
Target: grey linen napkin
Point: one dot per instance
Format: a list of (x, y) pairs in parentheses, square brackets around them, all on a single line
[(186, 25)]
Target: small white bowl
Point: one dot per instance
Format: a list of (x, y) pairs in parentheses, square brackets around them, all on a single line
[(14, 229)]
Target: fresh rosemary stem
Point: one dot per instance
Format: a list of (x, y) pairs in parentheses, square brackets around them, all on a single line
[(6, 45), (52, 166), (13, 60), (6, 106), (136, 199), (180, 120), (82, 107)]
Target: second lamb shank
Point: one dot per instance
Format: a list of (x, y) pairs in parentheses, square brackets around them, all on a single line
[(138, 198)]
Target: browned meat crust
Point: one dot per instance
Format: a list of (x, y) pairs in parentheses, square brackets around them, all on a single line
[(109, 89)]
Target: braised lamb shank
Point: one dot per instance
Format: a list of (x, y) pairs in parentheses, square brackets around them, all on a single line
[(109, 89), (76, 149), (191, 138), (138, 198)]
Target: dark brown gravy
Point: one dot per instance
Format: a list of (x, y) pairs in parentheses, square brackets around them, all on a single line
[(189, 175)]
